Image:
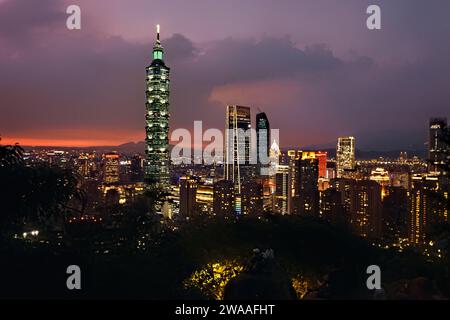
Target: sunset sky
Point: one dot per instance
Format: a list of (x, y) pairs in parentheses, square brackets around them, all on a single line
[(312, 66)]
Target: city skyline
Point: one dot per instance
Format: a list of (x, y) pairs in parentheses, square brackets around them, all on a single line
[(228, 64), (245, 160)]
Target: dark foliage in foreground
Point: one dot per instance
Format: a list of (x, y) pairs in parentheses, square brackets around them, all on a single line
[(33, 194), (306, 246)]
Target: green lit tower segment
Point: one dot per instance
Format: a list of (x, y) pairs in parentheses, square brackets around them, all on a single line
[(157, 119)]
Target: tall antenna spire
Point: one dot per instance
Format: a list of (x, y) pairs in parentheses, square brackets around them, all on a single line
[(158, 28), (158, 50)]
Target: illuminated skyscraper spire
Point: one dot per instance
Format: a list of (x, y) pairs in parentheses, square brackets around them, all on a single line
[(158, 29), (158, 50), (157, 118)]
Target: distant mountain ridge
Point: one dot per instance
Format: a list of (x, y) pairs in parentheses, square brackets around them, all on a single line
[(372, 154), (139, 147), (126, 148)]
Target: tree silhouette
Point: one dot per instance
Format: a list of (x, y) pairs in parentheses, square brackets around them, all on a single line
[(156, 196), (10, 155), (34, 193)]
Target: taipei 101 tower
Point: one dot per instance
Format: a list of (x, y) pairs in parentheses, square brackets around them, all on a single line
[(157, 119)]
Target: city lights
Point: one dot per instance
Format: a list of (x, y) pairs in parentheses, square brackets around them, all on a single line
[(256, 160)]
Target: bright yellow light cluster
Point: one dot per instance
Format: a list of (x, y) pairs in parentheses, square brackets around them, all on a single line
[(301, 285), (212, 278)]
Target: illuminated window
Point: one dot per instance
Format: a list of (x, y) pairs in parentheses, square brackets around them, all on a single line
[(157, 55)]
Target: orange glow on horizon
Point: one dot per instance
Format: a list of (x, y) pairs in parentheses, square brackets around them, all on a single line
[(30, 142), (73, 137)]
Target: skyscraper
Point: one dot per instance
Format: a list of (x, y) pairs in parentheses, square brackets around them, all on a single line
[(346, 187), (237, 143), (331, 207), (136, 171), (420, 208), (224, 198), (383, 178), (427, 206), (252, 198), (83, 165), (304, 167), (293, 201), (361, 200), (395, 213), (366, 219), (345, 155), (282, 190), (262, 137), (111, 172), (321, 157), (307, 187), (437, 146), (188, 194), (157, 119), (205, 198)]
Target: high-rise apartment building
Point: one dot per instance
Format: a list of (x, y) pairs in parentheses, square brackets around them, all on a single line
[(321, 157), (361, 200), (395, 213), (308, 192), (252, 198), (367, 214), (224, 198), (331, 207), (427, 205)]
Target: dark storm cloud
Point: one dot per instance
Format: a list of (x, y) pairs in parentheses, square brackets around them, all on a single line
[(375, 102), (246, 59), (179, 48), (238, 62), (22, 20), (52, 79)]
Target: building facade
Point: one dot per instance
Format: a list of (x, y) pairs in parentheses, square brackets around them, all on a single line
[(111, 168), (307, 186), (237, 144), (282, 190), (252, 198), (427, 205), (188, 196), (438, 148), (345, 156), (262, 138), (367, 214), (224, 198)]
